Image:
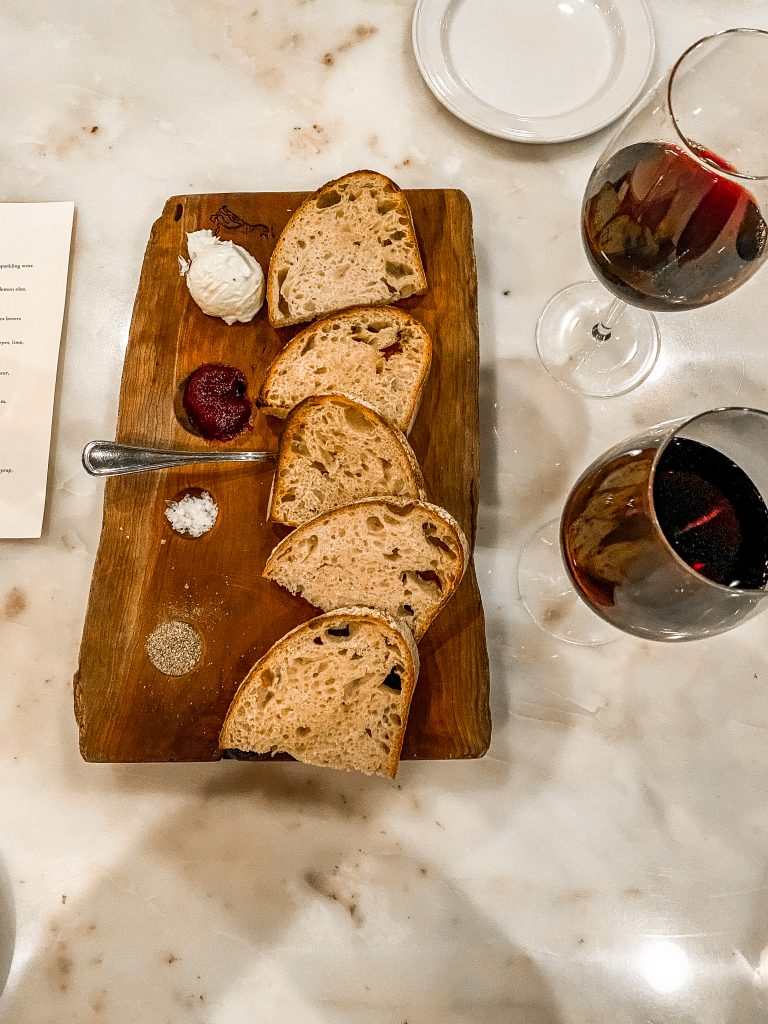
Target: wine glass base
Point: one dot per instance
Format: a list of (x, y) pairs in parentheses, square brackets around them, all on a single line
[(585, 364), (549, 597)]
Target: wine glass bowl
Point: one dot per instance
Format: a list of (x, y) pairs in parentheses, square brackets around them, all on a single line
[(664, 231), (7, 925), (665, 536), (673, 216)]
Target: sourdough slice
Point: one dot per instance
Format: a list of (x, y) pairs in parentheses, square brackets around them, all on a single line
[(333, 692), (406, 557), (334, 450), (376, 354), (351, 243)]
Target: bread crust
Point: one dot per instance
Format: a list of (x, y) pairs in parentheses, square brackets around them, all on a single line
[(273, 289)]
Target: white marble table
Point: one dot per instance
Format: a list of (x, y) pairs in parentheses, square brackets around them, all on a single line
[(607, 861)]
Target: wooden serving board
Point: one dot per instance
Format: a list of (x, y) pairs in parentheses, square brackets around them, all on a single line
[(145, 573)]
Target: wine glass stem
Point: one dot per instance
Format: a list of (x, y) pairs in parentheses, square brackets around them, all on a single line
[(602, 330)]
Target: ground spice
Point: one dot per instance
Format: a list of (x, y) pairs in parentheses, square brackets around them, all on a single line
[(174, 647)]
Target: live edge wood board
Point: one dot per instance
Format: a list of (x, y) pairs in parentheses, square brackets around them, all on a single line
[(145, 573)]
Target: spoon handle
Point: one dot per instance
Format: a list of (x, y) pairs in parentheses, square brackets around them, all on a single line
[(108, 458)]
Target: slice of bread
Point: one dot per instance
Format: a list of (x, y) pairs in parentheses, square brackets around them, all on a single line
[(406, 557), (376, 354), (351, 243), (333, 692), (334, 450)]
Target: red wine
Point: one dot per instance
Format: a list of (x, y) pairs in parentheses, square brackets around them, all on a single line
[(665, 232), (606, 528), (709, 511), (712, 514)]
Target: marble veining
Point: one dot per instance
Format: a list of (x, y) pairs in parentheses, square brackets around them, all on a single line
[(606, 862)]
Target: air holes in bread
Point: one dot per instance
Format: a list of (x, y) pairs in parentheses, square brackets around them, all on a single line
[(394, 680), (430, 577), (309, 546), (351, 688), (358, 420), (431, 537), (392, 350), (401, 511), (374, 524), (338, 630), (327, 199), (397, 270)]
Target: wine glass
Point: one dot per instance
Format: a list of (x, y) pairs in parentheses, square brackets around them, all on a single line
[(665, 536), (7, 925), (673, 216)]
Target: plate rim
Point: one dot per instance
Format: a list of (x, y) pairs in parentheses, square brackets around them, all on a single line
[(513, 134)]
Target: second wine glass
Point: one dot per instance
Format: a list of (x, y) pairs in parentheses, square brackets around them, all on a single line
[(673, 216), (665, 536)]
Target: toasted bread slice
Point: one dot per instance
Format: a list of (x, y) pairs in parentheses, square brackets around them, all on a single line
[(333, 692), (376, 354), (404, 556), (351, 243), (334, 450)]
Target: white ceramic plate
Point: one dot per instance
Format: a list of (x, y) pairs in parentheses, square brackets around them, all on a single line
[(534, 70)]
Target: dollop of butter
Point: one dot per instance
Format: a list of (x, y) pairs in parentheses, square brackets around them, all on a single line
[(223, 278)]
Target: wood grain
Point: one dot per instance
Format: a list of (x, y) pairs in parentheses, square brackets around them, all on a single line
[(145, 573)]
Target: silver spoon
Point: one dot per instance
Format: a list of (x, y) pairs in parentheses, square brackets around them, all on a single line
[(108, 458)]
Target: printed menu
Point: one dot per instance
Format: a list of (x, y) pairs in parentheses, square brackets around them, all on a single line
[(35, 239)]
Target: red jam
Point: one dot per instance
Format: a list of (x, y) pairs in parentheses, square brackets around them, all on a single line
[(216, 403)]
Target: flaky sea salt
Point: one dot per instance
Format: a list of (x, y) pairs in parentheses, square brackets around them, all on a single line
[(192, 515)]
